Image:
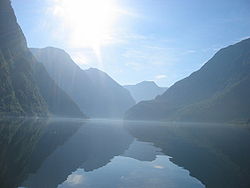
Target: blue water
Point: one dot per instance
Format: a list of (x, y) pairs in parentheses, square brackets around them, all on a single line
[(103, 154), (127, 172), (116, 154)]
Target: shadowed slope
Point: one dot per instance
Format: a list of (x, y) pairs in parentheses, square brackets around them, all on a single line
[(217, 92), (25, 87)]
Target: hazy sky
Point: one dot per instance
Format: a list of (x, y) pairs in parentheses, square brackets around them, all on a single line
[(136, 40)]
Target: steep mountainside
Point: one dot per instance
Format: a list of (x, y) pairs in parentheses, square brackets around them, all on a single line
[(59, 103), (219, 91), (146, 90), (97, 94), (20, 94), (18, 90)]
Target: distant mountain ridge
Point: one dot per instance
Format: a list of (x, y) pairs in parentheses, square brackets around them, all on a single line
[(25, 86), (146, 90), (218, 92), (96, 93)]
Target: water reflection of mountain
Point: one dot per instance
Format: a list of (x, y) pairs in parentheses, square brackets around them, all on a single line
[(25, 144), (38, 153), (217, 155), (91, 147), (142, 151)]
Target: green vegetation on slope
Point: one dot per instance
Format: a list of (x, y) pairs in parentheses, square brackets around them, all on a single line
[(21, 91)]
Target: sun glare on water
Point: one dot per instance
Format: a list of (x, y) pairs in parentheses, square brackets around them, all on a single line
[(89, 23)]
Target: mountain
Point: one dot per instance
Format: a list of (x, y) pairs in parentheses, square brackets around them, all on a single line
[(218, 92), (23, 88), (146, 90), (59, 103), (18, 91), (96, 93)]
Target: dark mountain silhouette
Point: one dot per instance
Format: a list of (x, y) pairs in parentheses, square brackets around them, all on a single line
[(218, 92), (25, 86), (18, 91), (146, 90), (97, 94), (25, 145)]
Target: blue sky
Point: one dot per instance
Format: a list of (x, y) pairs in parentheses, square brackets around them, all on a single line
[(160, 40)]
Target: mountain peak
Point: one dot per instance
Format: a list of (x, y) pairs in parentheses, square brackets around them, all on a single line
[(145, 90), (152, 83), (50, 49), (218, 92), (93, 70), (96, 93)]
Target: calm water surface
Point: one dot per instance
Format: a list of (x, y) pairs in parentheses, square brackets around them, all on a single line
[(117, 154)]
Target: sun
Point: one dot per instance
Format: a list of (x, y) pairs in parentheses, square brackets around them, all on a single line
[(89, 23)]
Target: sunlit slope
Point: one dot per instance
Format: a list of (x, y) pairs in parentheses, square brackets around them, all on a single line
[(25, 87), (96, 93), (219, 91), (59, 103)]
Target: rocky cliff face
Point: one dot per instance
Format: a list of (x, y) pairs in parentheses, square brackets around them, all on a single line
[(20, 92)]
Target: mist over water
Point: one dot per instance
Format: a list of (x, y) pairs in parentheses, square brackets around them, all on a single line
[(161, 142)]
